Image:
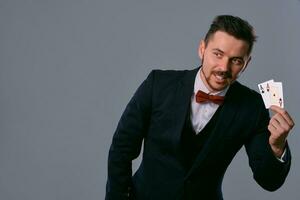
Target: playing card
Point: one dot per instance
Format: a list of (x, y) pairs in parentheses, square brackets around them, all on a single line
[(264, 89), (276, 94)]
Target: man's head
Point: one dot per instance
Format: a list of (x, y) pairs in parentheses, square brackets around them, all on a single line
[(234, 26), (225, 51)]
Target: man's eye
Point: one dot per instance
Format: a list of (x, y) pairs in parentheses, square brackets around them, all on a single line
[(237, 61), (217, 54)]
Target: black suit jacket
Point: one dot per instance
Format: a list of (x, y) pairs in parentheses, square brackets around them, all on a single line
[(156, 114)]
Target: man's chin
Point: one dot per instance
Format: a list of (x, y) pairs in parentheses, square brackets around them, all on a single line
[(219, 86)]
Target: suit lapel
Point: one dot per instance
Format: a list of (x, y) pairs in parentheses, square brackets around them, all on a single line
[(181, 104), (227, 113)]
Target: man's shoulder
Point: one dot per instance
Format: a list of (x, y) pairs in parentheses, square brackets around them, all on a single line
[(171, 72), (244, 90), (162, 76), (245, 94)]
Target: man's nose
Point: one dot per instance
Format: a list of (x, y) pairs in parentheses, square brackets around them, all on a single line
[(224, 64)]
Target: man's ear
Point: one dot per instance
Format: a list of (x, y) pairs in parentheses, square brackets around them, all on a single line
[(201, 49)]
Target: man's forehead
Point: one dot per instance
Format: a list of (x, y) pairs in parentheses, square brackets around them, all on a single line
[(222, 34), (227, 43)]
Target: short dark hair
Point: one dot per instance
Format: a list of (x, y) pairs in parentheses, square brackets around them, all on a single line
[(235, 27)]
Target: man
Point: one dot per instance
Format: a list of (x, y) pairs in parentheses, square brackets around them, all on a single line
[(193, 123)]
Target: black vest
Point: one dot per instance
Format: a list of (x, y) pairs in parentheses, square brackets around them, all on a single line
[(192, 143)]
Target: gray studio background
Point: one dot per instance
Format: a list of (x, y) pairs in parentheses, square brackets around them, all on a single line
[(69, 67)]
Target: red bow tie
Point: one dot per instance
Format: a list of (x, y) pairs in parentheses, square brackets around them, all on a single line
[(203, 97)]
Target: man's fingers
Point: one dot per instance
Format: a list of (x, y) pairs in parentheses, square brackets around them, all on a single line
[(271, 128), (279, 121), (284, 114)]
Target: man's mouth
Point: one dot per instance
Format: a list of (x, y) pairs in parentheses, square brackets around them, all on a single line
[(222, 76)]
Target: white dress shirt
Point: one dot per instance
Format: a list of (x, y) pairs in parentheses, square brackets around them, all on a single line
[(202, 113)]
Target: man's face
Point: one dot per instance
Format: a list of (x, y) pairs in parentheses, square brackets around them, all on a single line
[(223, 58)]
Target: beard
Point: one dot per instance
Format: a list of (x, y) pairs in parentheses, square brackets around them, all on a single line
[(226, 75)]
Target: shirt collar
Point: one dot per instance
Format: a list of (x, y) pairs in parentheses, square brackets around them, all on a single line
[(199, 85)]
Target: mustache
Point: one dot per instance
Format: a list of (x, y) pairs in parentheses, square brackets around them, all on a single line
[(224, 74)]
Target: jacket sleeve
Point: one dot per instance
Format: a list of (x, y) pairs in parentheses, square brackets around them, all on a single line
[(127, 141), (268, 171)]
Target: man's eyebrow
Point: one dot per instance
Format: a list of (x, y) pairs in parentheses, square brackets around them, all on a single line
[(238, 57), (217, 49), (235, 57)]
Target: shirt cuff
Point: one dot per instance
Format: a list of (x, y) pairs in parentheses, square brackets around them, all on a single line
[(283, 157)]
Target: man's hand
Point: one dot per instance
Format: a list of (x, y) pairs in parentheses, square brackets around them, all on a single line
[(280, 124)]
